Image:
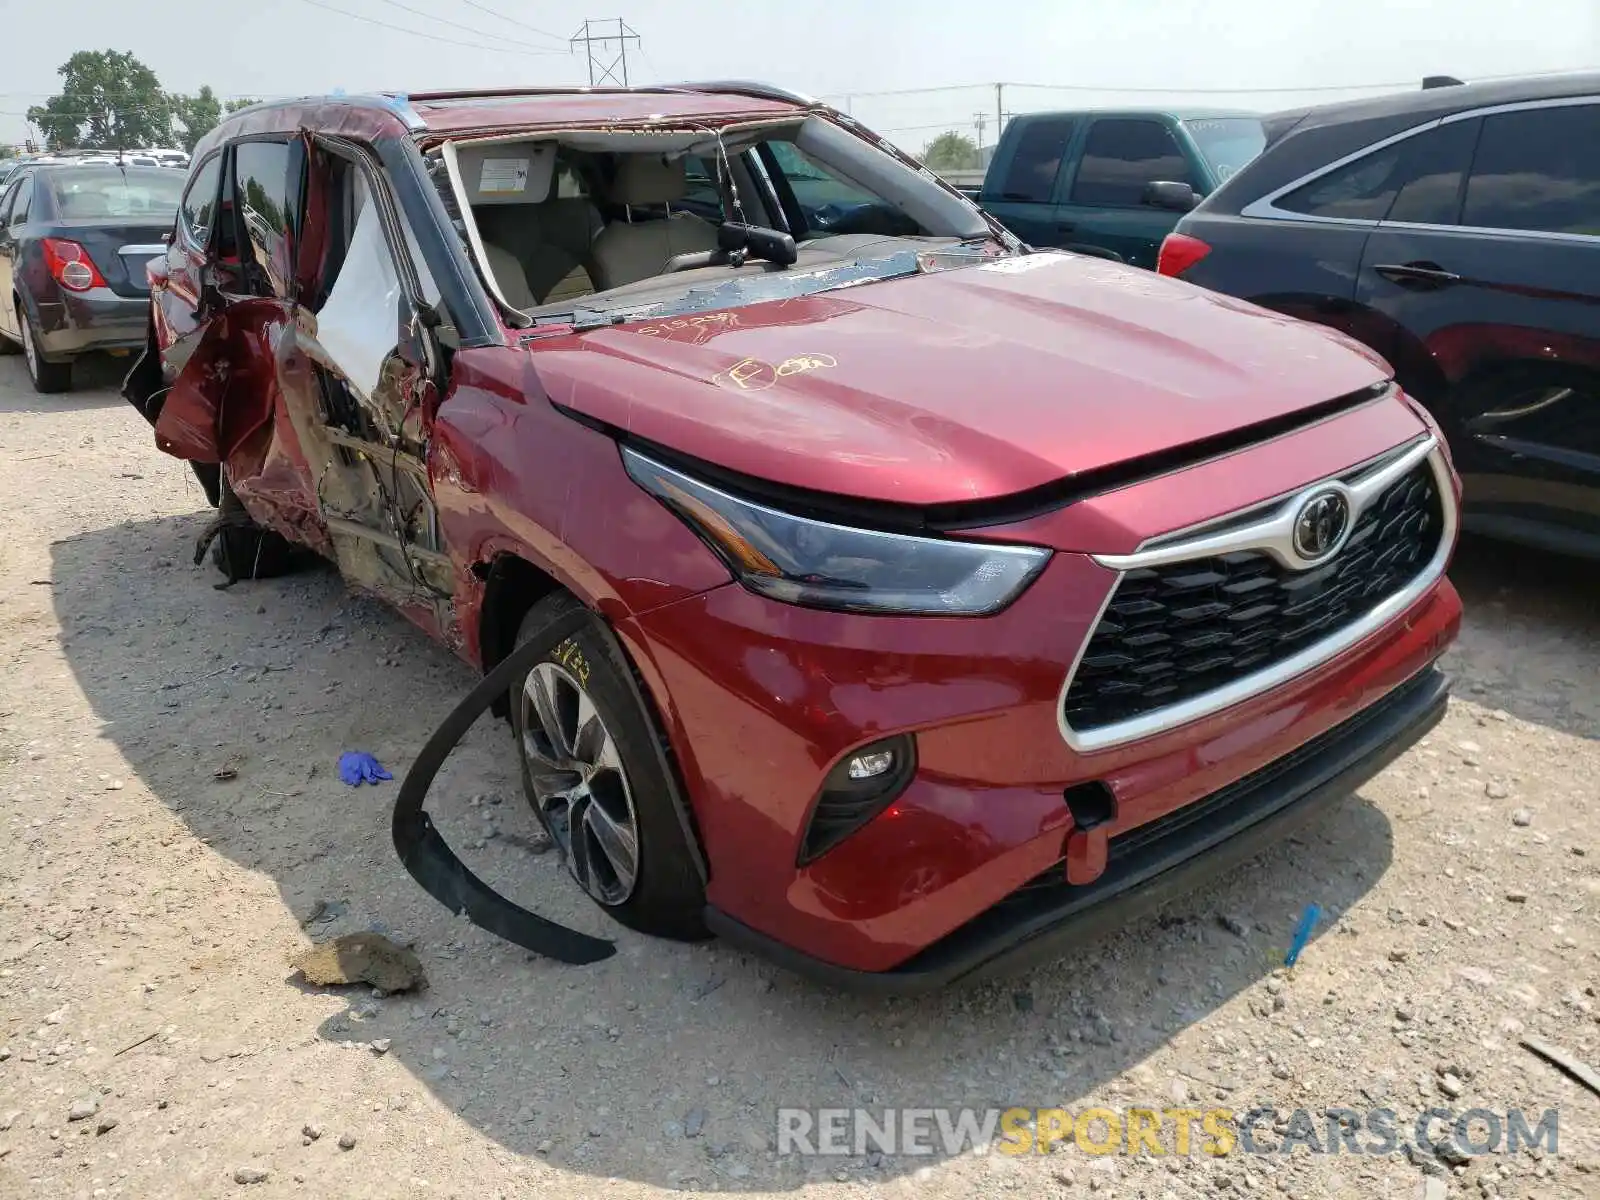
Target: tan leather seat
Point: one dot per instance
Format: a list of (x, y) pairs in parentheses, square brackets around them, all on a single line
[(537, 252), (629, 250), (509, 276)]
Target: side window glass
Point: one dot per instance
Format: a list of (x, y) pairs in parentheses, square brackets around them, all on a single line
[(702, 197), (1416, 180), (261, 191), (8, 196), (1359, 191), (23, 201), (1431, 170), (1538, 169), (198, 209), (1121, 157), (1031, 178), (569, 184), (814, 185)]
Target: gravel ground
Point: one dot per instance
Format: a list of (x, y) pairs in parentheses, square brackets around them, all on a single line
[(156, 1043)]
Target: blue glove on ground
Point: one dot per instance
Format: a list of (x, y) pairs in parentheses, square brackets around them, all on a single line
[(357, 767)]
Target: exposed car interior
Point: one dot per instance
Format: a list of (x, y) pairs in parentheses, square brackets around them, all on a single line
[(625, 219)]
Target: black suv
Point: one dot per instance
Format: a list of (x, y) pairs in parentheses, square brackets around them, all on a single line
[(1456, 231)]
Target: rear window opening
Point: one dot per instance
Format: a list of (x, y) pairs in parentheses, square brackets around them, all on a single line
[(615, 224)]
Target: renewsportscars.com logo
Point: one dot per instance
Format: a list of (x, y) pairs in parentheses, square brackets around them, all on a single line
[(1179, 1132)]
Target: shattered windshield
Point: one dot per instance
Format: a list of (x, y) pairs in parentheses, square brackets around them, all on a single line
[(768, 285), (600, 226)]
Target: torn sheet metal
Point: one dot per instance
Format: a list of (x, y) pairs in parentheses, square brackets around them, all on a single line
[(357, 327)]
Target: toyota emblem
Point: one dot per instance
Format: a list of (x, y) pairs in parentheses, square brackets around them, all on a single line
[(1321, 525)]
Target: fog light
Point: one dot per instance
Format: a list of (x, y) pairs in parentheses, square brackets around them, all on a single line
[(856, 789), (870, 766)]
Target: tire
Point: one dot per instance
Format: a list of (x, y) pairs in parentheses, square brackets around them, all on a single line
[(243, 550), (665, 897), (48, 377)]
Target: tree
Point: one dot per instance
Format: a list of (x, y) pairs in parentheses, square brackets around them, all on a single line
[(109, 100), (199, 114), (952, 151)]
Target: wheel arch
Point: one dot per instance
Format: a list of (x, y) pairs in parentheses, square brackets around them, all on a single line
[(513, 584)]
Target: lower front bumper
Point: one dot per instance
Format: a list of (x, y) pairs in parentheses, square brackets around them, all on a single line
[(1152, 865)]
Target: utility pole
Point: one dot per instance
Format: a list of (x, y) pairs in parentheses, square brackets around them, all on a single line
[(999, 109), (981, 121), (597, 38)]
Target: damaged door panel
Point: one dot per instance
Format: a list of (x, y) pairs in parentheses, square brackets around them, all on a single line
[(224, 402), (293, 347), (184, 298), (361, 382), (183, 289)]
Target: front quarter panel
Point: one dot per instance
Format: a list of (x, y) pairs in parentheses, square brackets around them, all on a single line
[(512, 475)]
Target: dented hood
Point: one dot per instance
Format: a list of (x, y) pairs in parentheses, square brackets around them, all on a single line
[(958, 385)]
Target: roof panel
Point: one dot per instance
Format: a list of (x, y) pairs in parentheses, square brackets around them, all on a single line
[(456, 112)]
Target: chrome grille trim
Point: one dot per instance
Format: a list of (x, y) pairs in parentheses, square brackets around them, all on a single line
[(1270, 535)]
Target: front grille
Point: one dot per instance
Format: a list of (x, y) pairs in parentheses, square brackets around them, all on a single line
[(1175, 632)]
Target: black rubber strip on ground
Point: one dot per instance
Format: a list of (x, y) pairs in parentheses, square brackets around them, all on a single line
[(429, 859)]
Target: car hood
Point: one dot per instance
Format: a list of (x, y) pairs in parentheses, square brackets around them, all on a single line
[(957, 385)]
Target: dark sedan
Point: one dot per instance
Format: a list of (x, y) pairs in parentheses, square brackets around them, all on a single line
[(74, 242), (1457, 232)]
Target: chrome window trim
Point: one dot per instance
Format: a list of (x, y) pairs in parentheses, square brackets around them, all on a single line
[(1266, 207), (1269, 535)]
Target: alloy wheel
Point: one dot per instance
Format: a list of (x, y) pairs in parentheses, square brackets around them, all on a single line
[(579, 784)]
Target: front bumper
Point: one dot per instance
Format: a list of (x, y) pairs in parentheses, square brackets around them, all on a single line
[(1162, 862), (760, 700), (73, 323)]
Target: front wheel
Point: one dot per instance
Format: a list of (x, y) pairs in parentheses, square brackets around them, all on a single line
[(594, 778), (48, 377)]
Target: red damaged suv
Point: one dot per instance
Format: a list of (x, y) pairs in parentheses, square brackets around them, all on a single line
[(907, 602)]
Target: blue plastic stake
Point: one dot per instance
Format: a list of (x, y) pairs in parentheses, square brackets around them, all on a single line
[(1302, 933)]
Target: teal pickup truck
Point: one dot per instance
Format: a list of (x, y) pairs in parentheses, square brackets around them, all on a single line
[(1112, 183)]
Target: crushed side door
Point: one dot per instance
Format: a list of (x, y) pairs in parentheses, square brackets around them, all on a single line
[(362, 373)]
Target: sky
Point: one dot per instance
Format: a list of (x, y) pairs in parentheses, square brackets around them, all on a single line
[(1051, 53)]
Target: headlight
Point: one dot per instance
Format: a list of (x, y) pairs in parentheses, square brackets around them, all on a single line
[(803, 561)]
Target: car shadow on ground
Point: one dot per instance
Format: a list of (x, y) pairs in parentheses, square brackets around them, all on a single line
[(666, 1063), (1531, 642), (96, 383)]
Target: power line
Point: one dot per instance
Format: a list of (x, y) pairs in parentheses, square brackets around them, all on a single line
[(111, 109), (1188, 91), (217, 95), (1276, 91), (432, 37), (953, 126), (469, 29), (513, 20)]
